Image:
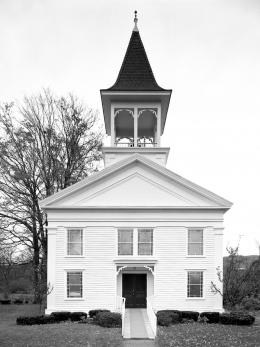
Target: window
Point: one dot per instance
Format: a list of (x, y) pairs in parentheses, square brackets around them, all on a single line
[(195, 242), (145, 241), (195, 284), (75, 242), (125, 242), (74, 284)]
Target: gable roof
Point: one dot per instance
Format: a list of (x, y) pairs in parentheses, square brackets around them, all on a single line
[(136, 73), (217, 201)]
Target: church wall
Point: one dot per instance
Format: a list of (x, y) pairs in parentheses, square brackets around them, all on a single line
[(100, 285)]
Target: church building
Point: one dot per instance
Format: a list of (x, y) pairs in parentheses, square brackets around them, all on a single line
[(134, 237)]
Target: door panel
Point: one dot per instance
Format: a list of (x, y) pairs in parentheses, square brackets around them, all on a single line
[(134, 290)]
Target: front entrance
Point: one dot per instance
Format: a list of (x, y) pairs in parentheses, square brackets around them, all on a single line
[(134, 290)]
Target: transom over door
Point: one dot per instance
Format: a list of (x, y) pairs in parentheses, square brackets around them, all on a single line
[(134, 290)]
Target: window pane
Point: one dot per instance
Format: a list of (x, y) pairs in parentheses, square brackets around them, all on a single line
[(75, 249), (125, 248), (74, 284), (195, 235), (125, 235), (74, 277), (194, 291), (195, 284), (144, 236), (145, 249), (75, 235), (195, 249), (194, 277)]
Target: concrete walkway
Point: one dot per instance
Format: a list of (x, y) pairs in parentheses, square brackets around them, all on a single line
[(137, 325)]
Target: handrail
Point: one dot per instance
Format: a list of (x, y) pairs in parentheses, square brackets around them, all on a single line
[(120, 306), (151, 315)]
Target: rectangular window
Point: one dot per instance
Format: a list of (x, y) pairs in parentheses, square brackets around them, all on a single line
[(195, 284), (195, 242), (75, 242), (74, 284), (125, 242), (145, 241)]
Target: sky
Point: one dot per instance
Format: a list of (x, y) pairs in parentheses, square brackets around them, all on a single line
[(206, 51)]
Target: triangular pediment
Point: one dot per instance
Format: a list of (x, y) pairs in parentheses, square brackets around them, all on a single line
[(135, 182)]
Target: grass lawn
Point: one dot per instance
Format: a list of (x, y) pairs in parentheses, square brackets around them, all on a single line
[(63, 334), (75, 335), (210, 335)]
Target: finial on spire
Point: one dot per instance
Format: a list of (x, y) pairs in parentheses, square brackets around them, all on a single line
[(135, 21)]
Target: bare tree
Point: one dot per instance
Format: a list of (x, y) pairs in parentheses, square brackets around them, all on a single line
[(48, 145), (239, 279)]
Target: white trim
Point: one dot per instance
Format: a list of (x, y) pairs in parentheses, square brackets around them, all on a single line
[(222, 203)]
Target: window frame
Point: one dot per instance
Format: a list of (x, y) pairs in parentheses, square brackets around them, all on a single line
[(151, 243), (79, 298), (202, 285), (203, 243), (67, 243), (133, 241)]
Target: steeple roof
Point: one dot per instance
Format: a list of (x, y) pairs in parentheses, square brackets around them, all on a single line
[(135, 73)]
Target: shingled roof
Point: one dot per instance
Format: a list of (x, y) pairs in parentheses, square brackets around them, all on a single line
[(135, 73)]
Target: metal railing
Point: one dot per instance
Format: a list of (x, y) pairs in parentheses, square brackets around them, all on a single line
[(151, 314), (120, 306)]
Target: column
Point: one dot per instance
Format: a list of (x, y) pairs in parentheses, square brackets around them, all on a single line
[(135, 126)]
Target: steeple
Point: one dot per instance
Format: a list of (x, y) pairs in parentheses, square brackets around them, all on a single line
[(135, 107)]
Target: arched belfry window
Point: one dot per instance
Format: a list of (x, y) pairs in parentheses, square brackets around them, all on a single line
[(124, 127), (147, 127)]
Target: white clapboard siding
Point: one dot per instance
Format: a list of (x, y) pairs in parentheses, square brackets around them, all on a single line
[(172, 267), (98, 269)]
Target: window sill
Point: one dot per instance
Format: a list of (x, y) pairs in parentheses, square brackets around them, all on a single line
[(74, 256), (195, 256), (195, 298), (74, 299)]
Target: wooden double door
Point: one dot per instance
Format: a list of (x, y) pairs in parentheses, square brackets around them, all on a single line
[(135, 290)]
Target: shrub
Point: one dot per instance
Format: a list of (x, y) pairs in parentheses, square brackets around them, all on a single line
[(109, 319), (5, 302), (60, 316), (77, 316), (212, 317), (237, 318), (251, 303), (18, 301), (174, 314), (190, 315), (35, 320), (93, 313), (164, 319)]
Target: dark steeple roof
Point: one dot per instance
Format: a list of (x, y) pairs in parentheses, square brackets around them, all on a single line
[(135, 73)]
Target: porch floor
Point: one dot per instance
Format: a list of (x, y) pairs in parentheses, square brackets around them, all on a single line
[(137, 325)]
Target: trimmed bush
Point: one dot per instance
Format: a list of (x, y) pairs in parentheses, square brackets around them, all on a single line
[(212, 317), (237, 318), (174, 314), (35, 320), (78, 316), (93, 313), (108, 319), (5, 302), (190, 315), (61, 316), (18, 301), (164, 319)]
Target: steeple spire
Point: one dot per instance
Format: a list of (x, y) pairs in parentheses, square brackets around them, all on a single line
[(135, 21)]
